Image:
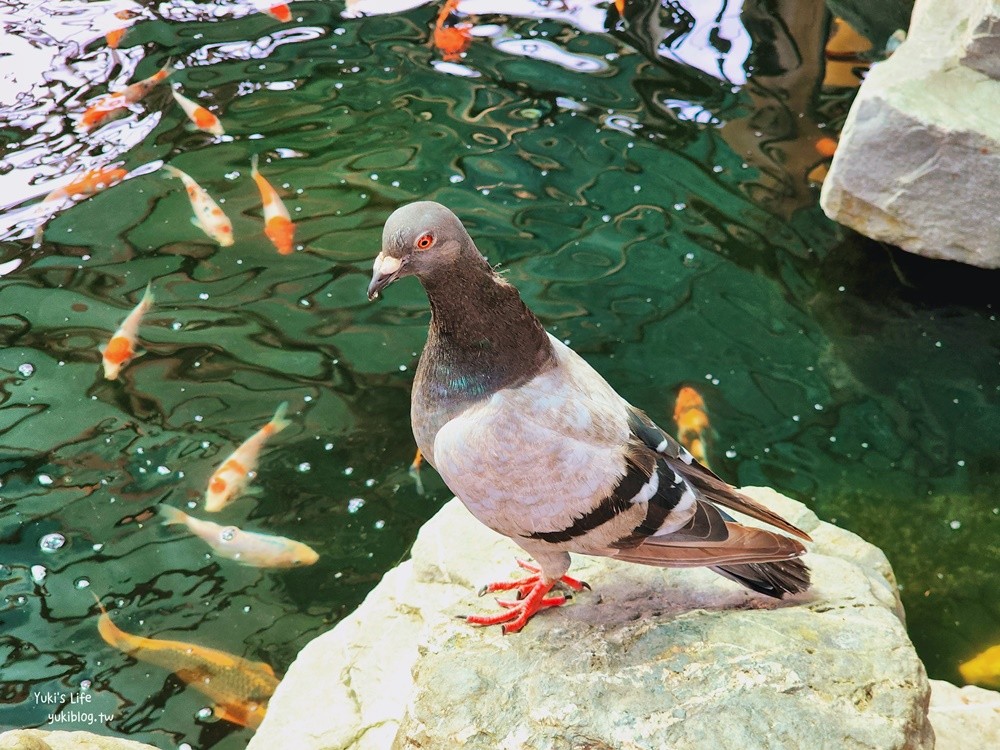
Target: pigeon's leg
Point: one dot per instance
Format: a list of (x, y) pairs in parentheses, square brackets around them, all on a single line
[(531, 593), (524, 585), (518, 613)]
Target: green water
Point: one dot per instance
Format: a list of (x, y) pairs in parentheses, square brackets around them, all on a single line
[(655, 215)]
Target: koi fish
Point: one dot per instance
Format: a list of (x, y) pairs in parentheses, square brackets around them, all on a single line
[(414, 472), (692, 422), (199, 115), (113, 105), (278, 225), (246, 547), (114, 37), (238, 688), (452, 41), (983, 669), (280, 12), (240, 467), (90, 182), (826, 146), (121, 349), (208, 217)]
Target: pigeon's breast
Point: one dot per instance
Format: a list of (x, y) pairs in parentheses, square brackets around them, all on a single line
[(537, 456)]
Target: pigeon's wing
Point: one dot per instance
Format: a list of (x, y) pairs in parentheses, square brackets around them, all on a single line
[(703, 479)]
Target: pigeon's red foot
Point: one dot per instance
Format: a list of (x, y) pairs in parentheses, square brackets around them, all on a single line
[(531, 598)]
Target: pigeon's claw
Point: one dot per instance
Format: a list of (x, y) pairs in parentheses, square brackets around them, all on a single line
[(531, 598), (518, 613)]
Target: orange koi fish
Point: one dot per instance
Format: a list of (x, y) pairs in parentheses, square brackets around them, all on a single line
[(208, 217), (692, 422), (983, 669), (278, 225), (452, 41), (414, 471), (199, 115), (280, 12), (240, 467), (238, 688), (114, 37), (246, 547), (121, 349), (113, 105), (90, 182)]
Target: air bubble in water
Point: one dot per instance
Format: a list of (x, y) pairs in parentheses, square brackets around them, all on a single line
[(26, 369), (51, 542)]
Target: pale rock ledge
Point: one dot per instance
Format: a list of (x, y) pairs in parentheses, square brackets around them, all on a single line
[(918, 164), (651, 658)]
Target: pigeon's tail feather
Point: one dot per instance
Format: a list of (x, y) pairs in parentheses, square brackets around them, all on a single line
[(771, 578)]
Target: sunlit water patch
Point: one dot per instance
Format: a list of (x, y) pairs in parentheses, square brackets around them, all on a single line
[(641, 180)]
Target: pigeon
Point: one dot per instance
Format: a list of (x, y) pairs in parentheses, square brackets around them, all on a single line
[(540, 448)]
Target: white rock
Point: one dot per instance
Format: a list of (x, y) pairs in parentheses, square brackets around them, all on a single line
[(649, 658), (38, 739), (918, 163), (965, 718)]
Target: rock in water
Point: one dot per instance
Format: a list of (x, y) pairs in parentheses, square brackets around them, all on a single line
[(918, 163), (651, 658)]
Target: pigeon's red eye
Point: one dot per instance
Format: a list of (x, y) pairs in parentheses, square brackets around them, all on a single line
[(424, 241)]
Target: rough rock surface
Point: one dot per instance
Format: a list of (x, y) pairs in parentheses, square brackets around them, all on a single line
[(918, 163), (38, 739), (649, 658), (965, 718)]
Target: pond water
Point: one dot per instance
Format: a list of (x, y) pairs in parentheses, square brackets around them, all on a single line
[(642, 181)]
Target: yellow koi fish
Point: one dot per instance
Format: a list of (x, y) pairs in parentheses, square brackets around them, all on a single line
[(246, 547), (113, 105), (983, 669), (122, 349), (199, 115), (238, 688), (208, 217), (240, 467), (278, 224), (692, 422)]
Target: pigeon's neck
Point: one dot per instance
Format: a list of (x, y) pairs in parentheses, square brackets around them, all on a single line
[(482, 336)]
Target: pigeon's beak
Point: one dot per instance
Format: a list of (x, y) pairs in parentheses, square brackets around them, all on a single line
[(384, 272)]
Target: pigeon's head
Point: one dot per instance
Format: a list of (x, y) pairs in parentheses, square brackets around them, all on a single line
[(419, 240)]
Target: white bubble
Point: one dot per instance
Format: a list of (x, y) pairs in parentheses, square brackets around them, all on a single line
[(955, 525), (26, 369), (82, 583), (38, 573), (304, 466), (51, 542), (355, 504), (44, 480)]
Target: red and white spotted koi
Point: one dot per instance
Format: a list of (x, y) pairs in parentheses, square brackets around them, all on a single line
[(240, 466), (122, 348), (208, 217)]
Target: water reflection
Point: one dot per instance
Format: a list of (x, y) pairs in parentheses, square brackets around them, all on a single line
[(643, 181)]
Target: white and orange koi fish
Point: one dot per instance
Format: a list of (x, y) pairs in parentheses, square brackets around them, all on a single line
[(240, 467), (280, 12), (113, 105), (90, 182), (278, 224), (122, 349), (246, 547), (199, 115), (208, 217)]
